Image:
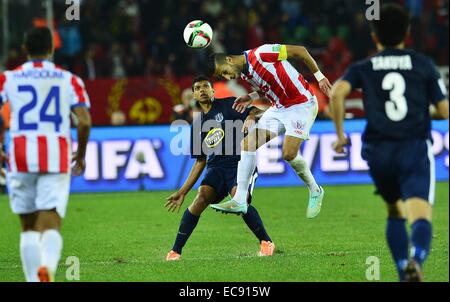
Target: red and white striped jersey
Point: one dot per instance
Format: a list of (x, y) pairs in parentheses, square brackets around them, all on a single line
[(41, 97), (268, 71)]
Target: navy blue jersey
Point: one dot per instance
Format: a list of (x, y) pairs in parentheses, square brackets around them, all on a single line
[(398, 87), (218, 134)]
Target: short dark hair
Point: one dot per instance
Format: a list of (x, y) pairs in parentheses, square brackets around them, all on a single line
[(200, 78), (393, 25), (38, 41), (213, 60)]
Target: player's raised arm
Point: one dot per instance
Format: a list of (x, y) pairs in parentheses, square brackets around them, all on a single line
[(175, 200), (341, 89), (300, 52)]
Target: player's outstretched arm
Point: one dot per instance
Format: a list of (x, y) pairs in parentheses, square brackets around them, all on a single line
[(83, 128), (341, 89), (243, 102), (174, 201), (300, 52)]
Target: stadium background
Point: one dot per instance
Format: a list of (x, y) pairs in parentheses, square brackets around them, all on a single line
[(138, 71)]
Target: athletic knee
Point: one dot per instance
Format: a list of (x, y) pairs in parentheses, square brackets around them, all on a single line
[(200, 203), (289, 155)]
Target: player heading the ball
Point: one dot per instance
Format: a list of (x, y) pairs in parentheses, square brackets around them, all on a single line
[(294, 109)]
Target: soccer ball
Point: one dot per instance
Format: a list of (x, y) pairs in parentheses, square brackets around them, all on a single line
[(198, 34)]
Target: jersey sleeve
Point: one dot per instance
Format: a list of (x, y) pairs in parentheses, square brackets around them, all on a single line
[(2, 88), (272, 53), (352, 75), (435, 85), (79, 96), (196, 149)]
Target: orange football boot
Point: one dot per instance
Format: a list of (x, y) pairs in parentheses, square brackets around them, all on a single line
[(44, 275), (267, 248), (173, 256)]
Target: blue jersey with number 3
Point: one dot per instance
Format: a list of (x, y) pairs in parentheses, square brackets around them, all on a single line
[(398, 87)]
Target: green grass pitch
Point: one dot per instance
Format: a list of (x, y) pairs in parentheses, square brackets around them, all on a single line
[(125, 237)]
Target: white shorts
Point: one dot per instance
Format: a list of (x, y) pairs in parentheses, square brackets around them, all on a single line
[(296, 120), (32, 192)]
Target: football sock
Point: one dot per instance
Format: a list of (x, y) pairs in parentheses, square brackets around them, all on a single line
[(51, 247), (301, 168), (187, 225), (246, 167), (30, 254), (421, 232), (398, 242), (255, 224)]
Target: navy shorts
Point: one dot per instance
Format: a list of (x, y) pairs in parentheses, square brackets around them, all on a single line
[(222, 180), (402, 170)]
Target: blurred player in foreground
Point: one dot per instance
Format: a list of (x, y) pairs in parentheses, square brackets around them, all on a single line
[(215, 145), (294, 109), (399, 87), (42, 96)]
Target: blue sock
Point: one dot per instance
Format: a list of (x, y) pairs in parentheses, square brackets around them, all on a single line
[(398, 242), (421, 233), (187, 225), (255, 224)]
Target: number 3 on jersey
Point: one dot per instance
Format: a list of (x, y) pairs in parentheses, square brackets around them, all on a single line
[(54, 94), (396, 107)]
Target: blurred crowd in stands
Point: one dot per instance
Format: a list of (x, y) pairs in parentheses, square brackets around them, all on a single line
[(127, 38)]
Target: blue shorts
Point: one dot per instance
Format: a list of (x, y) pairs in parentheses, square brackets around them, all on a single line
[(402, 170), (222, 180)]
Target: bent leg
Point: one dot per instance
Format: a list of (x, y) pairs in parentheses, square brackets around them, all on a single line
[(191, 215), (254, 222), (291, 147), (205, 196)]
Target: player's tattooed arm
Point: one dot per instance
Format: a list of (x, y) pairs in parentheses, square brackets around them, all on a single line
[(174, 201), (300, 52), (341, 89)]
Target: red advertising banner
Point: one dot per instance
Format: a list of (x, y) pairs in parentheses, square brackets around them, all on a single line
[(150, 100), (142, 100)]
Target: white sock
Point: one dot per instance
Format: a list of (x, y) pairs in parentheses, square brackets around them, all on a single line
[(30, 253), (51, 246), (246, 167), (301, 168)]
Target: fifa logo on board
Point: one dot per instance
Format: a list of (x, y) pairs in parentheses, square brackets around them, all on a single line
[(373, 11), (73, 11)]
